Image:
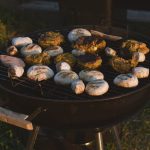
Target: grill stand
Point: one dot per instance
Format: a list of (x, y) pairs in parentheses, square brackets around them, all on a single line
[(116, 136), (99, 141), (32, 138), (21, 120), (97, 145)]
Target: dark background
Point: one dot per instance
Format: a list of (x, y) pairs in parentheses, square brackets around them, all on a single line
[(80, 11)]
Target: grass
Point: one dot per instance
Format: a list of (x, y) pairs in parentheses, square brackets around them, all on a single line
[(135, 132), (8, 140)]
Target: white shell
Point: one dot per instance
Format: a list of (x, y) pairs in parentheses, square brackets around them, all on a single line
[(76, 33), (139, 56), (78, 86), (140, 72), (76, 52), (90, 75), (65, 77), (62, 66), (39, 73), (54, 51), (110, 52), (15, 71), (126, 80), (11, 61), (31, 49), (21, 41), (97, 87)]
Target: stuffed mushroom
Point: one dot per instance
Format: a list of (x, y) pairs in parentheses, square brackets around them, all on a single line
[(50, 39), (90, 44)]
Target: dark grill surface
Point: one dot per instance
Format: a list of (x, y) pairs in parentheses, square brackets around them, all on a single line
[(49, 90)]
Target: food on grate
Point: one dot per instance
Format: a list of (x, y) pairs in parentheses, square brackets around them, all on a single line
[(87, 47), (110, 52), (54, 50), (65, 77), (39, 73), (140, 56), (122, 65), (78, 86), (76, 52), (97, 87), (135, 46), (62, 66), (21, 41), (140, 72), (89, 61), (76, 33), (9, 61), (106, 36), (15, 71), (90, 44), (31, 49), (66, 57), (12, 50), (90, 75), (42, 58), (50, 39), (126, 80)]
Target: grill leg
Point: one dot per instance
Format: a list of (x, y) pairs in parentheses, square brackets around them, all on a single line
[(32, 138), (99, 141), (117, 139)]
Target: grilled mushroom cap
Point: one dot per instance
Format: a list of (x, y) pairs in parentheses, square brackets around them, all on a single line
[(30, 49), (90, 44), (76, 33), (66, 57), (50, 39), (42, 58), (122, 65), (135, 46), (12, 50), (89, 61)]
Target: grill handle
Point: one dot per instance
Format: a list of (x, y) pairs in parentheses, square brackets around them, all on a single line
[(15, 119)]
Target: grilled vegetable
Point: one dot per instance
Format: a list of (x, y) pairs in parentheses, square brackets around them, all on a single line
[(9, 61), (15, 71), (50, 39), (90, 44), (42, 58), (65, 77), (76, 33), (30, 49), (89, 61), (12, 50), (135, 46), (54, 50), (21, 41), (122, 65), (39, 73), (66, 57)]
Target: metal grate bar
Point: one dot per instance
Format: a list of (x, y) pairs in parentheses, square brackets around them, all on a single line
[(50, 90)]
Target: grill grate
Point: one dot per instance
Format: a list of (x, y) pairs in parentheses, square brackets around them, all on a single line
[(47, 89)]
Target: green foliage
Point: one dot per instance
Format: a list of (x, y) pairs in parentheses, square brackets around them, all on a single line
[(135, 133), (3, 34), (8, 140)]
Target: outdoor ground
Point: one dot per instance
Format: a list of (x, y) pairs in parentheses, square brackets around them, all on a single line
[(135, 133)]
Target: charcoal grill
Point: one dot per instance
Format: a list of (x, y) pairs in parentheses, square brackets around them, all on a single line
[(58, 107)]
